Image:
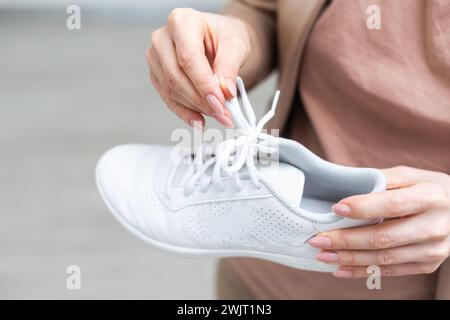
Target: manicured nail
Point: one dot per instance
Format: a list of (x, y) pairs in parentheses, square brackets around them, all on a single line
[(225, 121), (341, 209), (320, 242), (228, 87), (327, 257), (214, 104), (196, 124), (343, 274)]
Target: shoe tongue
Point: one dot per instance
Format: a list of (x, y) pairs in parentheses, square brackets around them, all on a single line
[(286, 181)]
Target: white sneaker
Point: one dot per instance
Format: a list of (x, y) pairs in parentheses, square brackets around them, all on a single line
[(226, 204)]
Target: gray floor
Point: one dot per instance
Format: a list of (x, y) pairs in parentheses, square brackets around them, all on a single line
[(65, 98)]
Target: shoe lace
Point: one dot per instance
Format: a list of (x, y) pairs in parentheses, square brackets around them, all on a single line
[(230, 156)]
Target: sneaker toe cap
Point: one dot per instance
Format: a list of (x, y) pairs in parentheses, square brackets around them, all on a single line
[(125, 176)]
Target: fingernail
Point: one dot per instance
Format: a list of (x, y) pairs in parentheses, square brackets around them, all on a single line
[(225, 121), (231, 85), (214, 104), (327, 257), (341, 209), (343, 274), (196, 124), (320, 242), (229, 88)]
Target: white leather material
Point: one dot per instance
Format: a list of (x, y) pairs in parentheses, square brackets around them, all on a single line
[(127, 175), (179, 200), (250, 218), (260, 224), (254, 221), (285, 181)]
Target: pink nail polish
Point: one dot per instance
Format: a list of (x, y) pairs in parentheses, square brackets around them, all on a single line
[(320, 242), (327, 257), (231, 85), (343, 274), (226, 122), (341, 209), (214, 104)]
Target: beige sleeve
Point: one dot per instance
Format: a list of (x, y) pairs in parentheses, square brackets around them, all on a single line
[(259, 15)]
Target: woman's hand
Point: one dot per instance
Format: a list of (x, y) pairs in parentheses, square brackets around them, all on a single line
[(414, 238), (194, 61)]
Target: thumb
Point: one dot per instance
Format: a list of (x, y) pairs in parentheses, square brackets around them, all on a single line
[(226, 66)]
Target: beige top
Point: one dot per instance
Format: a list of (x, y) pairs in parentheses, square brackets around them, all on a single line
[(374, 98)]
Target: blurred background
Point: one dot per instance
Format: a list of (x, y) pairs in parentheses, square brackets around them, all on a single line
[(66, 96)]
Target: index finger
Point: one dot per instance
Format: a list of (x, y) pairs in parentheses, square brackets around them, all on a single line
[(189, 43), (390, 234)]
